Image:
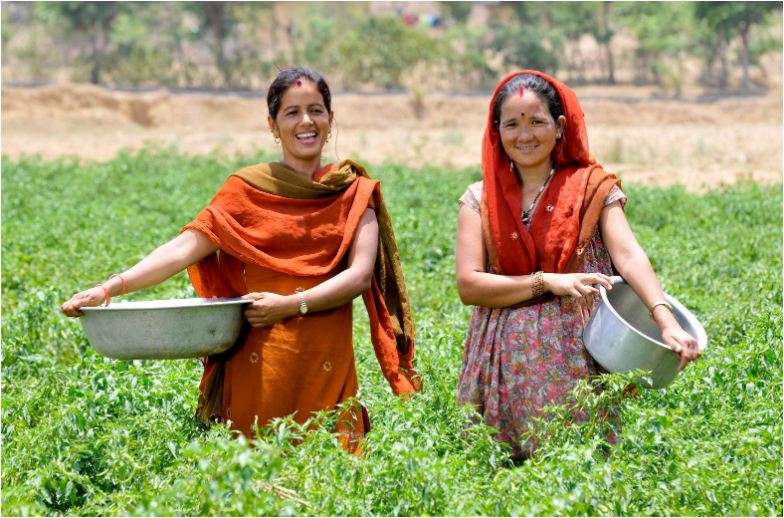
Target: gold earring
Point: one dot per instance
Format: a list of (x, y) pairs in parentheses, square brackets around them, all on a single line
[(276, 139), (329, 135)]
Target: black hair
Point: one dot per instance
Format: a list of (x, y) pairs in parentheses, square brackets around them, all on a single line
[(530, 82), (289, 76)]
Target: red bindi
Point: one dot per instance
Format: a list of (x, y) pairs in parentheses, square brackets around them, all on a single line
[(299, 83), (522, 114)]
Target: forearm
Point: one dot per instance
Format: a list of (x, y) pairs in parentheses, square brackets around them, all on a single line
[(637, 271), (162, 263), (494, 291), (476, 286), (347, 284), (631, 261), (334, 292)]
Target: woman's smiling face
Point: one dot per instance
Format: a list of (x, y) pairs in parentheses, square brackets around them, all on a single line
[(527, 129), (303, 121)]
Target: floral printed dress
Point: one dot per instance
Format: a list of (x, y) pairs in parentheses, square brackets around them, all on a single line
[(519, 360)]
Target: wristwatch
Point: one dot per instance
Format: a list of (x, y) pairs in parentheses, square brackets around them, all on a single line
[(303, 306)]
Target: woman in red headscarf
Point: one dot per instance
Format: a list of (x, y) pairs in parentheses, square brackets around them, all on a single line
[(545, 225)]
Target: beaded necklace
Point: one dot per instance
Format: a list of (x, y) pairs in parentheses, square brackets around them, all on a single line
[(526, 214)]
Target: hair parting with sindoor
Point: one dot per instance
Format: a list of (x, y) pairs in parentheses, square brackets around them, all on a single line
[(289, 76), (529, 82)]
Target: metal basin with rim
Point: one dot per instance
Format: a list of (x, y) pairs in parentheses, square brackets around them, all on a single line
[(622, 336), (164, 329)]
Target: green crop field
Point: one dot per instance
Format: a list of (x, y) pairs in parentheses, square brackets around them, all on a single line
[(87, 435)]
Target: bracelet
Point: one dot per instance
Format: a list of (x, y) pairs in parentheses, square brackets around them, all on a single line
[(538, 284), (123, 283), (661, 303), (106, 297)]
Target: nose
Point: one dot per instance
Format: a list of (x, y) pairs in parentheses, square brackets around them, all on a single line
[(525, 133), (306, 118)]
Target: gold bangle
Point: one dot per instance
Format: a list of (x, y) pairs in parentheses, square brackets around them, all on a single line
[(123, 283), (106, 297), (538, 284), (661, 303)]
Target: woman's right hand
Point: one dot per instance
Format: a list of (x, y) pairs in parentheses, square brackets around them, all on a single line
[(575, 284), (682, 343), (269, 308), (86, 298)]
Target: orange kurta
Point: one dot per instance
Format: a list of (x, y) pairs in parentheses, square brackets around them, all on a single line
[(298, 366), (278, 233)]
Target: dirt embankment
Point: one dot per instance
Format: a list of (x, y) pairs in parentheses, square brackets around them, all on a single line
[(699, 145)]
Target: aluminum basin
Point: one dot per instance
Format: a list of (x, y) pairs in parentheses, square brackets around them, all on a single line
[(622, 336), (164, 329)]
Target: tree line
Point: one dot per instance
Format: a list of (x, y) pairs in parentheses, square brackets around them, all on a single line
[(239, 45)]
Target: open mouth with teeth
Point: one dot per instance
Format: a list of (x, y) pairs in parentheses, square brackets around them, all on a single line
[(307, 137)]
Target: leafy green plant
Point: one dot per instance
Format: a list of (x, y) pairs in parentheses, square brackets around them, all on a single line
[(86, 435)]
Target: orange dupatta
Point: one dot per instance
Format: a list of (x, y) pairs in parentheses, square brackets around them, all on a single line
[(270, 216), (567, 214)]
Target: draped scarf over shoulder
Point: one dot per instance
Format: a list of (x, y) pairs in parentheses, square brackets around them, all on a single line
[(273, 217), (568, 211)]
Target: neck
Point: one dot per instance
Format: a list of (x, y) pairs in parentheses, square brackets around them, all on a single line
[(534, 177), (306, 168)]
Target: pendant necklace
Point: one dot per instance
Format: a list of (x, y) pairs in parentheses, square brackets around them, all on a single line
[(527, 213)]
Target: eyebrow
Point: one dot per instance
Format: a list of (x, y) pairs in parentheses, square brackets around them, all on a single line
[(311, 105), (534, 117)]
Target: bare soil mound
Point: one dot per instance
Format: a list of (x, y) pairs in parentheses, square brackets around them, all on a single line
[(644, 140)]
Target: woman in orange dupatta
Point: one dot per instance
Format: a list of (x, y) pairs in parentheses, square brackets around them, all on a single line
[(302, 241), (545, 225)]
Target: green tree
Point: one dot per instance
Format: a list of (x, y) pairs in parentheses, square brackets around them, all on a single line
[(143, 45), (6, 30), (26, 43), (468, 58), (380, 51), (227, 29), (603, 34), (94, 20), (729, 19), (216, 22), (457, 11), (567, 23), (524, 41), (314, 38), (664, 33)]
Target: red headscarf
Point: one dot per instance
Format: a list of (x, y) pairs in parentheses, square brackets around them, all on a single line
[(568, 211)]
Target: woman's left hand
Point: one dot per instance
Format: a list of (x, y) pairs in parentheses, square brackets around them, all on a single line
[(682, 344), (269, 308)]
